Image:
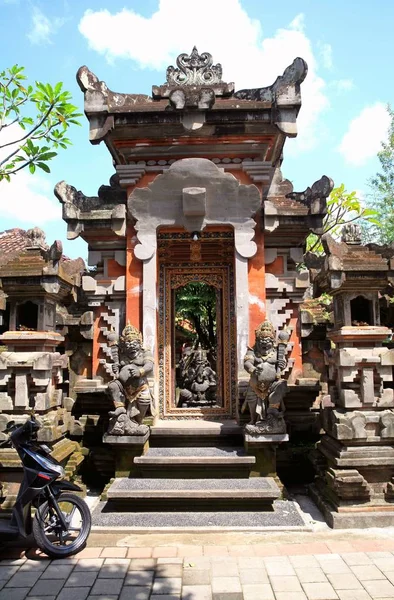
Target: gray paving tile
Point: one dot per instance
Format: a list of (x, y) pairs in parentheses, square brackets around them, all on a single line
[(7, 572), (282, 569), (140, 564), (137, 593), (319, 591), (367, 573), (304, 561), (139, 578), (196, 592), (344, 581), (37, 598), (224, 569), (200, 562), (384, 564), (54, 571), (14, 593), (34, 565), (107, 586), (285, 584), (258, 591), (169, 561), (81, 579), (103, 597), (47, 587), (89, 564), (353, 595), (166, 597), (169, 570), (75, 593), (226, 588), (113, 571), (379, 589), (253, 576), (312, 575), (27, 579), (250, 562), (196, 577), (290, 596), (335, 566), (356, 558), (167, 585), (390, 576)]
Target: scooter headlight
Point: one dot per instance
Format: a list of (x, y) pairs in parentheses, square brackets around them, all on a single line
[(58, 469), (50, 466)]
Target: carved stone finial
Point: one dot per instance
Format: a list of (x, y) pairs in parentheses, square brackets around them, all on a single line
[(351, 234), (37, 238), (194, 69)]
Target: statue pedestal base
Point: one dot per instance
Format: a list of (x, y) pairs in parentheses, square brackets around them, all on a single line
[(263, 448), (126, 448)]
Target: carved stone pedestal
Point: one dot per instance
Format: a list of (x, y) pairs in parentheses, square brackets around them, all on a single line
[(263, 447), (126, 448)]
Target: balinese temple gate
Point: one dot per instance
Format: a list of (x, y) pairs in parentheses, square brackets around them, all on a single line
[(195, 283)]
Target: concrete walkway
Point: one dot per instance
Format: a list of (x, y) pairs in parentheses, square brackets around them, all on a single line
[(354, 565)]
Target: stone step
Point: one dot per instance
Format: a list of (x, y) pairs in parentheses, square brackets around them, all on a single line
[(258, 493), (196, 432), (285, 514), (195, 456), (197, 462)]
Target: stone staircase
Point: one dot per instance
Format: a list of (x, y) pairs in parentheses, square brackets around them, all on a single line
[(193, 466)]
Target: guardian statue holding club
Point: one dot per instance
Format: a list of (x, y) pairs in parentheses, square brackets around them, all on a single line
[(265, 363)]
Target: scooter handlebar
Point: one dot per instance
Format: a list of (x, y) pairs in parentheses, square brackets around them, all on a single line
[(25, 432)]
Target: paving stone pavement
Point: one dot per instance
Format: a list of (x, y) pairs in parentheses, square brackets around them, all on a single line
[(315, 571)]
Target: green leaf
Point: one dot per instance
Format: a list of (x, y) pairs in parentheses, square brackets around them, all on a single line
[(32, 168), (44, 167)]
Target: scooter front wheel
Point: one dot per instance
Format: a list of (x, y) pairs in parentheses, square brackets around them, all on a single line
[(58, 539)]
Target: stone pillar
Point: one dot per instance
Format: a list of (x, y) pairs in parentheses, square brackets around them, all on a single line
[(355, 458)]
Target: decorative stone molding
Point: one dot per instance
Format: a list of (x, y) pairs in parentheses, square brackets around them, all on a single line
[(284, 94), (78, 209), (161, 203)]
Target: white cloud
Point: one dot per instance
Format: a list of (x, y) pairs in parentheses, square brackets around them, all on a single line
[(26, 198), (247, 58), (326, 54), (43, 28), (365, 134), (342, 85)]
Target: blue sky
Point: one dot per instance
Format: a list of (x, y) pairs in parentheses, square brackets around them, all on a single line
[(348, 46)]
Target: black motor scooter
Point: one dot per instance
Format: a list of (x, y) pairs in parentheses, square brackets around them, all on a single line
[(62, 521)]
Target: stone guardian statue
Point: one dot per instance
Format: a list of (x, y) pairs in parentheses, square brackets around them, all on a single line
[(129, 391), (265, 363)]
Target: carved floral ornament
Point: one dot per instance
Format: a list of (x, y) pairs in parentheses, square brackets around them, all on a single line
[(194, 69)]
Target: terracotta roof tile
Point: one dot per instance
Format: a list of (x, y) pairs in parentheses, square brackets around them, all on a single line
[(12, 242)]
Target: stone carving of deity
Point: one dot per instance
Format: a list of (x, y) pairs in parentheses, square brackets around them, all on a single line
[(129, 391), (197, 380), (265, 363)]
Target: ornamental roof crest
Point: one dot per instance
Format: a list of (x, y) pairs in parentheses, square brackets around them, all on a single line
[(194, 69)]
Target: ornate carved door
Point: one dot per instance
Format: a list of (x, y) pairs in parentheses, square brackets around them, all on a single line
[(196, 326)]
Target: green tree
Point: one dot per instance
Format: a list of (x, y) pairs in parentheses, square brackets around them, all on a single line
[(196, 303), (342, 207), (382, 191), (33, 122)]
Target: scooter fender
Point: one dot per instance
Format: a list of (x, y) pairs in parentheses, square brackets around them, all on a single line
[(58, 487)]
